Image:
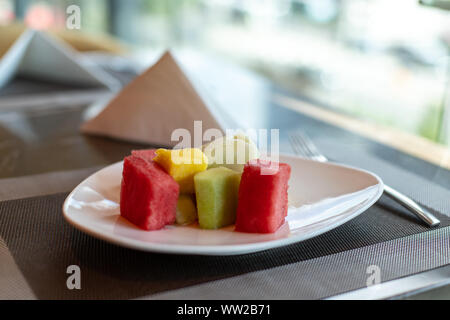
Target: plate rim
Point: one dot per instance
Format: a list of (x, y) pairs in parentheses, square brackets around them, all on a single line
[(217, 250)]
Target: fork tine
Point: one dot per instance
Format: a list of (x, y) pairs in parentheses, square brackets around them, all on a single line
[(309, 145), (295, 145), (298, 147), (313, 147), (303, 145)]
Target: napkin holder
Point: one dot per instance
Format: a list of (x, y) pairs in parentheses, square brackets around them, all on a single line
[(37, 55), (153, 106)]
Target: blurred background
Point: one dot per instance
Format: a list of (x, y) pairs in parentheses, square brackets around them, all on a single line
[(383, 61)]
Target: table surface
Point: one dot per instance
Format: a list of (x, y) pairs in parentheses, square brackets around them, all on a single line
[(47, 139)]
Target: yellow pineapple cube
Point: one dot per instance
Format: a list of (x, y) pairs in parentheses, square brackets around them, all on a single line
[(186, 210), (182, 165)]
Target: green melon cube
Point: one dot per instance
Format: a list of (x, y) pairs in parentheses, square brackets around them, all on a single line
[(217, 197), (186, 211)]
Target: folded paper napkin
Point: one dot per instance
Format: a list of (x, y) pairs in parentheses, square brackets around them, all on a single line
[(79, 40), (150, 108), (40, 56)]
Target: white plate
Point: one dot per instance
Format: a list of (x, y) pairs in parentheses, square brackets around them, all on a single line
[(322, 196)]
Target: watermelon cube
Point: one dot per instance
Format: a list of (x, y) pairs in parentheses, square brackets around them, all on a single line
[(148, 195), (146, 154), (263, 198)]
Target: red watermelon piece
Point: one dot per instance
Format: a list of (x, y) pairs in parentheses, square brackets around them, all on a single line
[(146, 154), (148, 195), (263, 198)]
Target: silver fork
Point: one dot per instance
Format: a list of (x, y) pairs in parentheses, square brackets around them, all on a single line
[(303, 146)]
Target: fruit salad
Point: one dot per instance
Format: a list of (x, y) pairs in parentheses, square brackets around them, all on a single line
[(220, 185)]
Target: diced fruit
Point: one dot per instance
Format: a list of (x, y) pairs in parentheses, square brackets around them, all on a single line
[(263, 198), (148, 195), (182, 165), (231, 152), (186, 210), (146, 154), (217, 194)]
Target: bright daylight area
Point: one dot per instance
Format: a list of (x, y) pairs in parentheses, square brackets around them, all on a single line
[(354, 56)]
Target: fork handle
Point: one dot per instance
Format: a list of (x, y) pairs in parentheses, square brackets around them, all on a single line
[(413, 206)]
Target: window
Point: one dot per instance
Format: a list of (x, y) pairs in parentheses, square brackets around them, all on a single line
[(381, 60)]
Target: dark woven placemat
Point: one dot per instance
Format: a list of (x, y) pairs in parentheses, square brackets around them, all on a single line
[(43, 245)]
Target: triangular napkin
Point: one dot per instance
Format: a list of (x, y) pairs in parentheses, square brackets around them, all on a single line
[(38, 55), (151, 107)]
